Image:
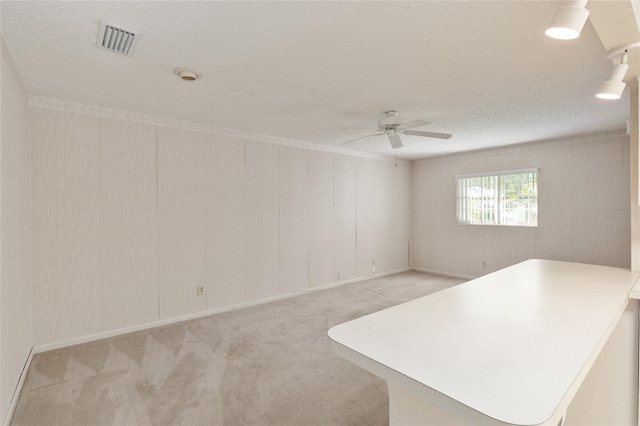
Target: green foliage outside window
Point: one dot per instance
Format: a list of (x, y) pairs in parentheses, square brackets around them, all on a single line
[(501, 199)]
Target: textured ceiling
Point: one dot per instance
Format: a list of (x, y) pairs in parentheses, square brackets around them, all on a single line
[(482, 70)]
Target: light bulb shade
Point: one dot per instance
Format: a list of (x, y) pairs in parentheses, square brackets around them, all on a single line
[(611, 89), (567, 22)]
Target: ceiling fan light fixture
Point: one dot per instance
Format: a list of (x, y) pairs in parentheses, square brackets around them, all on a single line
[(568, 21), (613, 88)]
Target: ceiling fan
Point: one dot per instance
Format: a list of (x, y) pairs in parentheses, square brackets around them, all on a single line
[(392, 125)]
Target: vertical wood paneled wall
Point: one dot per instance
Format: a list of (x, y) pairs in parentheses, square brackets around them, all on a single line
[(16, 326), (129, 219), (583, 208)]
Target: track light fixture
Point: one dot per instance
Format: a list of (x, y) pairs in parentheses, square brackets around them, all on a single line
[(568, 21), (613, 88)]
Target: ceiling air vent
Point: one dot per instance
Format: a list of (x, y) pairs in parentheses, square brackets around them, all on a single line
[(117, 39)]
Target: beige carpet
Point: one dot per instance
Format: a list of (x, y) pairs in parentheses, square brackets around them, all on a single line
[(264, 365)]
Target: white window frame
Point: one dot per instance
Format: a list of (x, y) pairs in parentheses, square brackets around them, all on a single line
[(498, 175)]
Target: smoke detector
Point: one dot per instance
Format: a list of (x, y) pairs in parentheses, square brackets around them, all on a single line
[(117, 39), (187, 74)]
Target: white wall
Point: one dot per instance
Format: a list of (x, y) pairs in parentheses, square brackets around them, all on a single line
[(128, 224), (129, 218), (16, 335), (634, 151), (583, 187)]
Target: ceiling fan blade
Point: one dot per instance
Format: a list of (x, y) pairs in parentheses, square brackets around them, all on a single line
[(412, 124), (427, 134), (359, 128), (362, 137), (395, 141)]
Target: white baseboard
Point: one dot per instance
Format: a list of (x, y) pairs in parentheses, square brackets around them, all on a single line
[(395, 271), (16, 393), (111, 333), (446, 274)]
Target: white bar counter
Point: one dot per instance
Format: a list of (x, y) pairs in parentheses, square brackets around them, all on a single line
[(512, 347)]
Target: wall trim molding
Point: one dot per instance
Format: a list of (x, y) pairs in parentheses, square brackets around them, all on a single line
[(589, 137), (18, 390), (117, 332), (110, 113)]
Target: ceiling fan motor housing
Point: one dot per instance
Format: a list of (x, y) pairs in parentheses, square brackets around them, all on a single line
[(391, 120)]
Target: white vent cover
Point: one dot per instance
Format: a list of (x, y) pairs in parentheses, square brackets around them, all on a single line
[(117, 39)]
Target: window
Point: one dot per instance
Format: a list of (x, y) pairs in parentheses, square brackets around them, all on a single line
[(499, 198)]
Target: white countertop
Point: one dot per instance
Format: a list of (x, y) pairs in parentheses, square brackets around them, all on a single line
[(508, 345), (635, 291)]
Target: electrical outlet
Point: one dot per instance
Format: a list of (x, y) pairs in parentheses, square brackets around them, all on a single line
[(484, 265), (200, 290), (373, 266), (338, 276)]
